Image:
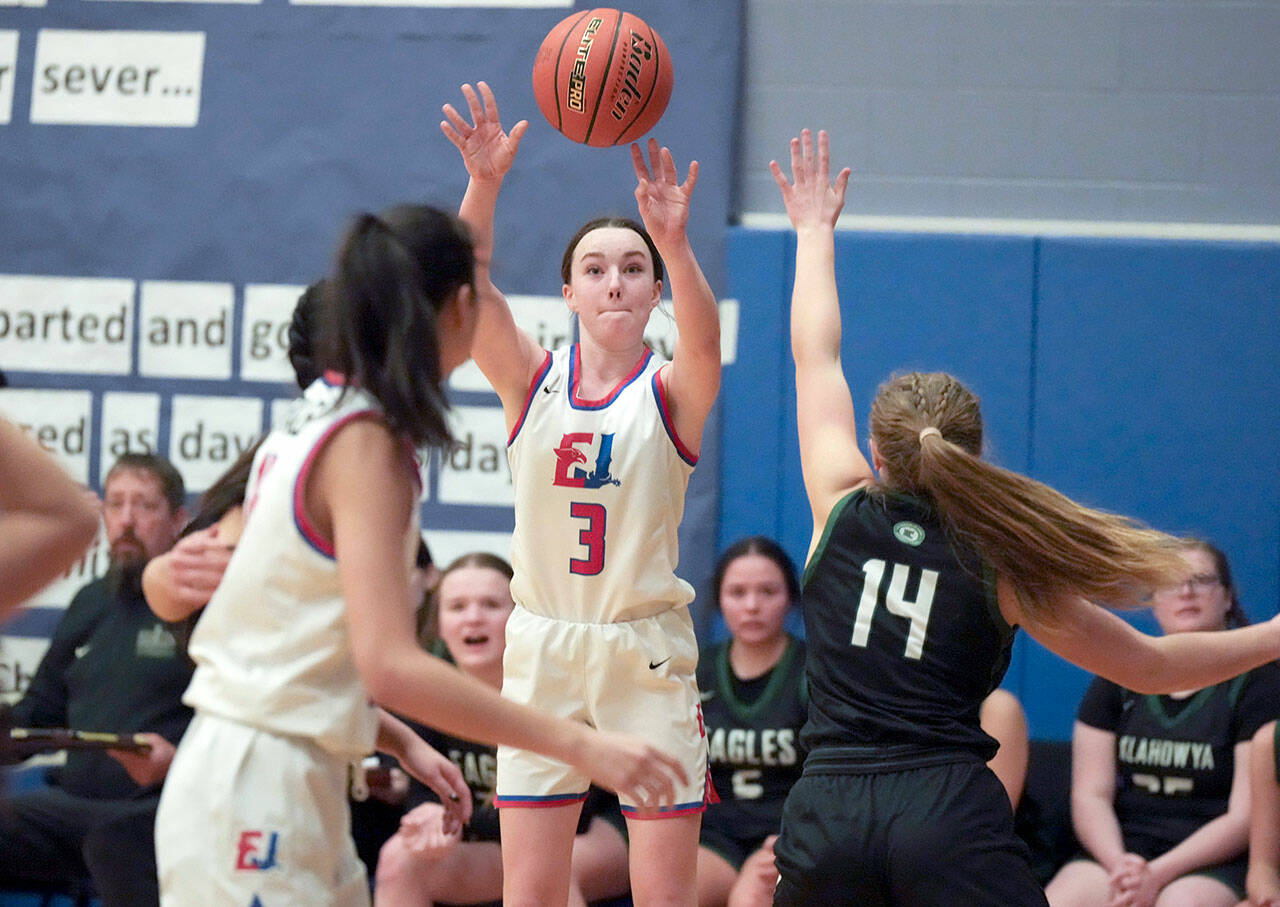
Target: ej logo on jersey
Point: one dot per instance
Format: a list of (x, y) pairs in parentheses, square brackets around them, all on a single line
[(250, 851), (573, 450)]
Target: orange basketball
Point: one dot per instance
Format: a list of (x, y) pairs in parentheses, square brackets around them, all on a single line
[(602, 77)]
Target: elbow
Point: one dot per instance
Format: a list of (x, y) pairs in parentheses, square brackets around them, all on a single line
[(82, 527), (383, 673), (380, 684)]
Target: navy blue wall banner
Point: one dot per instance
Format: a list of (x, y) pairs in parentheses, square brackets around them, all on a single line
[(173, 174)]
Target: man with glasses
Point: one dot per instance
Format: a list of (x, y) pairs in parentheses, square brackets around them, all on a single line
[(111, 666)]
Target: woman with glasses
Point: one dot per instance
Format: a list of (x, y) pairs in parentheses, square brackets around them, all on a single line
[(1155, 797)]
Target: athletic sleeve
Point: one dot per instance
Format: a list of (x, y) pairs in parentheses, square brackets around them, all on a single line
[(1102, 705), (1259, 701), (44, 704)]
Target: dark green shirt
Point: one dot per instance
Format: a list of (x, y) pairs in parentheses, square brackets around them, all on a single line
[(111, 666)]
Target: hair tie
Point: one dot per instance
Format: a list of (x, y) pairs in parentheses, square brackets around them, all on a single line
[(925, 432)]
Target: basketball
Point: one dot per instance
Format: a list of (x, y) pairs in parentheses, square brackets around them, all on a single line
[(602, 77)]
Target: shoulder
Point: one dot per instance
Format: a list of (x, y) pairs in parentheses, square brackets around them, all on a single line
[(1262, 686), (708, 658), (90, 601), (1103, 703)]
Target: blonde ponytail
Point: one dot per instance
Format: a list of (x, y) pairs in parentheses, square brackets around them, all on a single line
[(1043, 542)]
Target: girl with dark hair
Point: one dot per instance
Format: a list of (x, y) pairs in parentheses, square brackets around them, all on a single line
[(182, 580), (915, 583), (754, 702), (313, 621), (1160, 784), (603, 438)]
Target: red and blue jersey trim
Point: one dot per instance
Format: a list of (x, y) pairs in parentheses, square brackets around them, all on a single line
[(666, 812), (539, 802), (528, 398), (306, 528), (575, 369), (709, 796), (660, 395)]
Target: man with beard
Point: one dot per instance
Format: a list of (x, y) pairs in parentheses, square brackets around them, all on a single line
[(111, 666)]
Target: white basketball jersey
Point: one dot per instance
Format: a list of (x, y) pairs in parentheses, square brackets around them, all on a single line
[(272, 649), (599, 488)]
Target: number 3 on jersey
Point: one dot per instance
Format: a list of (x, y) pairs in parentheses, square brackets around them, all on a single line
[(895, 600), (590, 537)]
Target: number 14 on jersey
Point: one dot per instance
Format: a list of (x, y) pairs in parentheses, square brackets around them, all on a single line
[(895, 600)]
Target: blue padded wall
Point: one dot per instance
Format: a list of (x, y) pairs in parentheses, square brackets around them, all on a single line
[(1138, 376)]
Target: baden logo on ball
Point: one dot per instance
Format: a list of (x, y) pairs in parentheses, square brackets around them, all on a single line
[(602, 77)]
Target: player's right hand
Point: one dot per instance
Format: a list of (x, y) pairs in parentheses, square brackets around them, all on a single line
[(486, 149), (633, 769)]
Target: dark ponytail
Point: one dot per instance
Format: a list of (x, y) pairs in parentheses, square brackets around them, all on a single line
[(302, 333), (393, 275)]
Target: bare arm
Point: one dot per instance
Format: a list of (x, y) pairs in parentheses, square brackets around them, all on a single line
[(830, 459), (1264, 823), (424, 762), (46, 519), (693, 378), (362, 497), (1093, 638), (507, 355), (1218, 840), (1093, 792), (1003, 718), (181, 581)]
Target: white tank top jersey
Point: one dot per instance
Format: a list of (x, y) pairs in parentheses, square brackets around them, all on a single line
[(599, 488), (272, 648)]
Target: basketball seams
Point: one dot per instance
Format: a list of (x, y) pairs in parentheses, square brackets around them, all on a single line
[(649, 94), (604, 76), (555, 82), (586, 78)]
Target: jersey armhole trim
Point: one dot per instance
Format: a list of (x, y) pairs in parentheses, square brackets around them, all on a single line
[(305, 527), (660, 396), (528, 397), (832, 519), (990, 588)]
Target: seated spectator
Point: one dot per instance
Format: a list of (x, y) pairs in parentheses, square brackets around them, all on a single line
[(1264, 825), (46, 520), (1003, 718), (754, 702), (424, 864), (1156, 799), (111, 666)]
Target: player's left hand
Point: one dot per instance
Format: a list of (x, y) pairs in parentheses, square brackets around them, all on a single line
[(444, 778), (149, 768), (663, 200)]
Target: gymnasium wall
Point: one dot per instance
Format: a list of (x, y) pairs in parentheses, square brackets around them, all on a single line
[(173, 174), (1138, 376), (1125, 110)]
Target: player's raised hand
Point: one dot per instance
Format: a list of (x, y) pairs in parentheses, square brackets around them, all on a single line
[(810, 197), (486, 149), (663, 200), (633, 769)]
